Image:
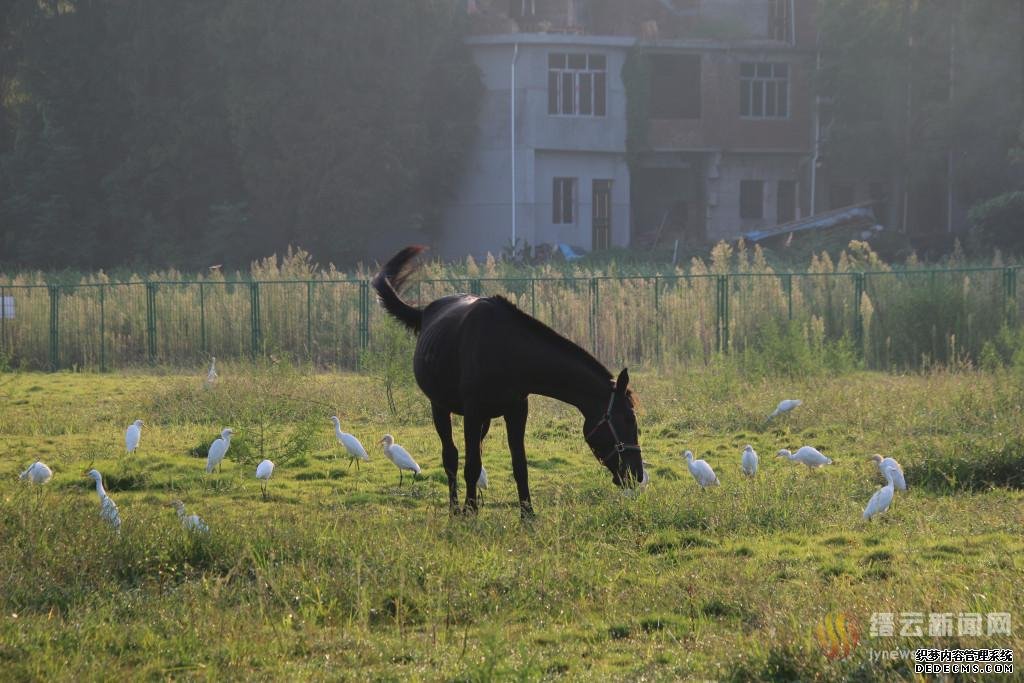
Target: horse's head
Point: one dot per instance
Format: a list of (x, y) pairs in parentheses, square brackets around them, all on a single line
[(613, 435)]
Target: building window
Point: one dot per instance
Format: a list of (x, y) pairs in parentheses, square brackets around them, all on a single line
[(751, 199), (675, 86), (782, 20), (785, 201), (764, 90), (563, 201), (518, 9), (576, 84)]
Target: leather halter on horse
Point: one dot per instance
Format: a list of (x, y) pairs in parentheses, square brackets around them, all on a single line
[(620, 447)]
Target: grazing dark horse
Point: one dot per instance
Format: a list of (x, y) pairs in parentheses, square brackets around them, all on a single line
[(482, 357)]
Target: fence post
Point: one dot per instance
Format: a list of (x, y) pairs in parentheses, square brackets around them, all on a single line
[(657, 320), (254, 308), (725, 313), (202, 317), (594, 301), (54, 327), (475, 287), (309, 321), (364, 315), (103, 329), (151, 321), (1009, 292), (787, 284), (3, 318), (533, 297), (858, 319)]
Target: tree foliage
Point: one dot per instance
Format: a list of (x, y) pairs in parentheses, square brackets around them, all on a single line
[(913, 85), (192, 133)]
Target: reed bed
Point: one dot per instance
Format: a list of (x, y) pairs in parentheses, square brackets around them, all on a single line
[(734, 303)]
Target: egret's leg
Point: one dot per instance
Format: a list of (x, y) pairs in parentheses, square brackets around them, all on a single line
[(400, 475), (350, 462), (483, 435), (515, 423), (449, 453)]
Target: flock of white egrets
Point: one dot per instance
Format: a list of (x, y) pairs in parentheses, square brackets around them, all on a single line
[(40, 473), (806, 455)]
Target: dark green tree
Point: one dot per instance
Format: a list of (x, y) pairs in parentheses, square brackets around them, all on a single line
[(191, 133)]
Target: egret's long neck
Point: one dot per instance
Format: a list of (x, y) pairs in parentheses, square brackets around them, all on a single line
[(100, 491), (227, 439)]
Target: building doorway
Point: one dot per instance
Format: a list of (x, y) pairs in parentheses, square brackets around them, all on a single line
[(602, 214)]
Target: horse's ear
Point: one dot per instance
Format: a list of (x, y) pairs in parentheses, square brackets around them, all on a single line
[(622, 382)]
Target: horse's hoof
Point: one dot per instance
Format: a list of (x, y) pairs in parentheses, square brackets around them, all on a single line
[(454, 509), (471, 508), (526, 513)]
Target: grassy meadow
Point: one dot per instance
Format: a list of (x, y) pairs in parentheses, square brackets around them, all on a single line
[(345, 575)]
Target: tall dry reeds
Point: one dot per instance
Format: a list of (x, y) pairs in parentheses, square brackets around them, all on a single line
[(734, 303)]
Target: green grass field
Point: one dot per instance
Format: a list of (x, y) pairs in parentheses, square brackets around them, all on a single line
[(345, 575)]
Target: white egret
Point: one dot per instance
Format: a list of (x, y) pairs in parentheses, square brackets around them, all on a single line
[(701, 471), (399, 456), (218, 449), (190, 522), (37, 473), (481, 482), (808, 455), (894, 467), (785, 406), (352, 446), (263, 472), (108, 508), (211, 375), (748, 462), (882, 499), (132, 435)]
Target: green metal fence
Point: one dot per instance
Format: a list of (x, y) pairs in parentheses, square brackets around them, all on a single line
[(893, 319)]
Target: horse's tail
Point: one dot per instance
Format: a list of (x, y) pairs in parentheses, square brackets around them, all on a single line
[(388, 283)]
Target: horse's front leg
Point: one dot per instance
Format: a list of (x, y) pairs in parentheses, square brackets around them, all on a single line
[(449, 453), (515, 425), (474, 429)]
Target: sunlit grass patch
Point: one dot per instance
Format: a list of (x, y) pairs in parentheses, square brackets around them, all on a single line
[(343, 572)]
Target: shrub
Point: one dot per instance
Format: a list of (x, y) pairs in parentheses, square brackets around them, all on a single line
[(999, 221)]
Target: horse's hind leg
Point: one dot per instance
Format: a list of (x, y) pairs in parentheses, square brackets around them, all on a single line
[(515, 424), (449, 453), (474, 428)]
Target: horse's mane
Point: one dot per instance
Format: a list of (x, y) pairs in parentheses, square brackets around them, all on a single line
[(562, 342)]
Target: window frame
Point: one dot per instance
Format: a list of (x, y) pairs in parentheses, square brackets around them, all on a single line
[(765, 86), (790, 195), (575, 88), (559, 207)]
